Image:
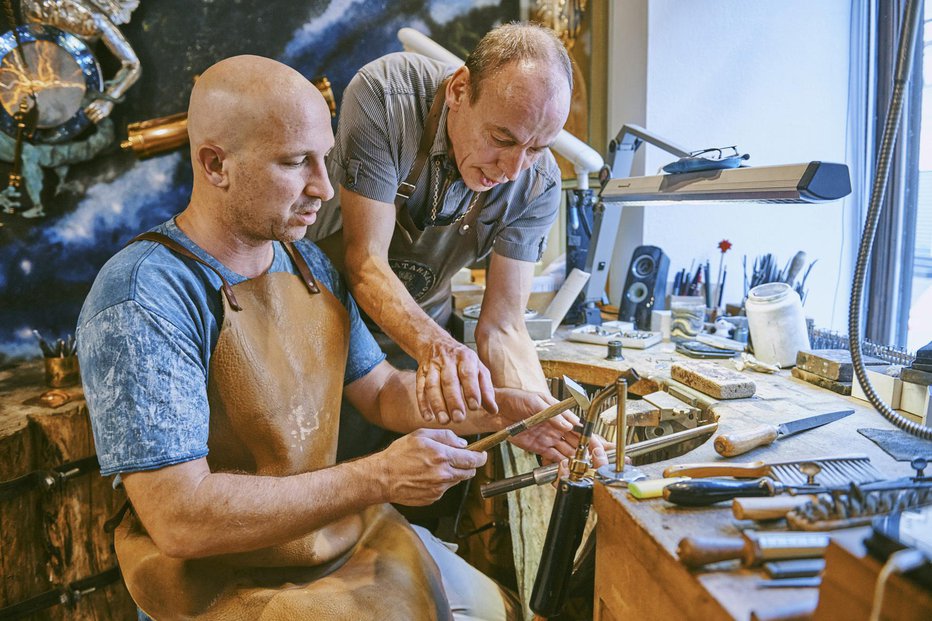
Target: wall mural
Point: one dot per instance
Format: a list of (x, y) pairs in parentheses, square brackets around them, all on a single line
[(59, 231)]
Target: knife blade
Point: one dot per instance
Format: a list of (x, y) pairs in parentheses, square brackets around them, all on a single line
[(738, 443)]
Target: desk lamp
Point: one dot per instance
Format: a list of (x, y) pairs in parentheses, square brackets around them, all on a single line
[(812, 182)]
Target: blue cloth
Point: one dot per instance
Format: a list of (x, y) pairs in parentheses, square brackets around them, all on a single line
[(145, 336)]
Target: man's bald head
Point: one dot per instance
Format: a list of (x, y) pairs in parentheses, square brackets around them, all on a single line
[(246, 97)]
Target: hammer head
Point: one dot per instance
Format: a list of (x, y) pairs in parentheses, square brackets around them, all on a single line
[(578, 393)]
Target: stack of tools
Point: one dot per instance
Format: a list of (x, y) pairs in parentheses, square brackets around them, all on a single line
[(836, 508), (752, 548), (759, 479), (829, 368)]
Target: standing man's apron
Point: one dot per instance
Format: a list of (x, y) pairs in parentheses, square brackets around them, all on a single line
[(274, 411), (425, 261)]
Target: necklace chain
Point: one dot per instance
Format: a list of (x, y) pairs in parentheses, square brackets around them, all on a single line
[(436, 203)]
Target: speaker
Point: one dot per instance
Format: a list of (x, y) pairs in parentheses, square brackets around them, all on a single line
[(645, 286)]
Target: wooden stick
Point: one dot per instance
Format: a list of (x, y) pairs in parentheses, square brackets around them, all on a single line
[(522, 425)]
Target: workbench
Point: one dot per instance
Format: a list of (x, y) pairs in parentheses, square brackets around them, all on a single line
[(53, 537), (638, 575)]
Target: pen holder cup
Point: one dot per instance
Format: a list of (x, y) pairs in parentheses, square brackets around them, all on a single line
[(61, 371)]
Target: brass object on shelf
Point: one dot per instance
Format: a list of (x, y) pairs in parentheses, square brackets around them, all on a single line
[(155, 136), (148, 138)]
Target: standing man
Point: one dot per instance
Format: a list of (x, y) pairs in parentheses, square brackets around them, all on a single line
[(215, 350), (440, 166)]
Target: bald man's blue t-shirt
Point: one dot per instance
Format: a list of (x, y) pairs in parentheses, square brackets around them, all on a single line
[(145, 337)]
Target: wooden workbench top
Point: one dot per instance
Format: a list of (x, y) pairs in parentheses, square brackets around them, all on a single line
[(648, 580)]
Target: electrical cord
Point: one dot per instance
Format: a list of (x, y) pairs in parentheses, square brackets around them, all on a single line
[(899, 562)]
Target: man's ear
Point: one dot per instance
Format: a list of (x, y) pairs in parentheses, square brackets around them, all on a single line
[(458, 88), (211, 159)]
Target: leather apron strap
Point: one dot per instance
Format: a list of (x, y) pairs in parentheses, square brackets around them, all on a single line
[(171, 244), (409, 185)]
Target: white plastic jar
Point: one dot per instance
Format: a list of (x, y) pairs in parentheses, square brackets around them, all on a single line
[(776, 322)]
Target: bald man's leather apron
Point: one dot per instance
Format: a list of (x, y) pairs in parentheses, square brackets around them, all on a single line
[(274, 387)]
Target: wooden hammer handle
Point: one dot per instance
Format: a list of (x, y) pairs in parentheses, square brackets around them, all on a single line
[(750, 470), (738, 443), (767, 508), (698, 551), (522, 425)]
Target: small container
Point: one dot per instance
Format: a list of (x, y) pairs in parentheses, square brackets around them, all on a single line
[(61, 371), (777, 324), (614, 351)]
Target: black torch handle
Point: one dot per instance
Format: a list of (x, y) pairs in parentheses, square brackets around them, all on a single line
[(564, 534), (704, 492)]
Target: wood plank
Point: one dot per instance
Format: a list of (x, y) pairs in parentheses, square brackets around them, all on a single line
[(848, 585), (842, 388), (833, 364)]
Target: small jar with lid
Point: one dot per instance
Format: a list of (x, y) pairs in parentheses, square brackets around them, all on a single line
[(777, 324)]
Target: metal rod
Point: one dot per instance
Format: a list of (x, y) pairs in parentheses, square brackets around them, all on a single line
[(547, 474), (621, 423)]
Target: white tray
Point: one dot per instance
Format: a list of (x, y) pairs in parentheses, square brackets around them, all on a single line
[(614, 331)]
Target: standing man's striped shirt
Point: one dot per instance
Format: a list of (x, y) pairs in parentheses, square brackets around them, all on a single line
[(381, 120)]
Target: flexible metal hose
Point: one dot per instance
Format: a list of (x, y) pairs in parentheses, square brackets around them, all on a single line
[(908, 33)]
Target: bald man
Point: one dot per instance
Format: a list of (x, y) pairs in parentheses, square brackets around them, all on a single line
[(215, 350)]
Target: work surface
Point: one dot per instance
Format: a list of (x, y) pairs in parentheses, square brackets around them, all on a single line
[(647, 579)]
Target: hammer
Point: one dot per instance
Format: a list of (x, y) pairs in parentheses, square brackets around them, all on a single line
[(578, 398)]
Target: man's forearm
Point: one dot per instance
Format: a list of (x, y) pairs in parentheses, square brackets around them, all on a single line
[(398, 411), (511, 357), (384, 298), (226, 513)]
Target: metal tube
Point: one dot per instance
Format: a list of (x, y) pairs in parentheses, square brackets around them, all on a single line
[(621, 424), (548, 474)]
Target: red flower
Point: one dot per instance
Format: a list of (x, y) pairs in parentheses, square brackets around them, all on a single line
[(724, 246)]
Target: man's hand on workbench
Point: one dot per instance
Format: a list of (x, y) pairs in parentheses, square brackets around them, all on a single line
[(451, 380)]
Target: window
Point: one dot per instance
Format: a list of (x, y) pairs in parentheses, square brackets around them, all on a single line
[(920, 310)]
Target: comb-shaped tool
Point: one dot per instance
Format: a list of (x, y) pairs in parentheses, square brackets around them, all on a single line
[(831, 470)]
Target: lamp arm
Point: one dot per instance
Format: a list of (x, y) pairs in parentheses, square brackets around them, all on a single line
[(584, 158), (607, 216), (622, 148)]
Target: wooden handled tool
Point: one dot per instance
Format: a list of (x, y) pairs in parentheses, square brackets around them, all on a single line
[(732, 444), (840, 470), (522, 425), (772, 508), (752, 548), (748, 470), (699, 551), (704, 492)]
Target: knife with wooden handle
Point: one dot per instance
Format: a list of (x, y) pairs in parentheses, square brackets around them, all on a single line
[(737, 443)]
